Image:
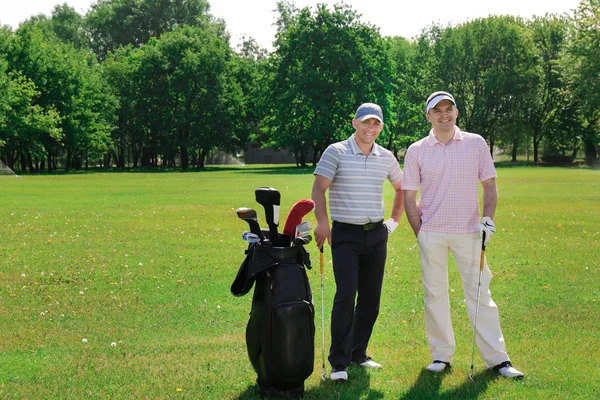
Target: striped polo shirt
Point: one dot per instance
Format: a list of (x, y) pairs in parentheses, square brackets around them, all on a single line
[(448, 176), (356, 190)]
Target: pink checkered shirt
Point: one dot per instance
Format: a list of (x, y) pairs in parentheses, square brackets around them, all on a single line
[(448, 176)]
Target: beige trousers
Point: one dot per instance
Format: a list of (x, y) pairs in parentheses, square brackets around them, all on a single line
[(466, 249)]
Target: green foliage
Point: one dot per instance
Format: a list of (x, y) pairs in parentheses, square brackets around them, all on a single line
[(326, 64), (146, 260), (169, 91), (68, 82), (582, 67), (117, 23), (489, 66), (407, 123)]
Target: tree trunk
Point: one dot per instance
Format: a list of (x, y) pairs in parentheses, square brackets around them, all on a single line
[(185, 159), (202, 158)]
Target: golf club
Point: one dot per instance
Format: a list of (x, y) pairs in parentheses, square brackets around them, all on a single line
[(303, 239), (270, 199), (249, 215), (481, 263), (322, 267), (250, 237), (297, 212), (303, 227)]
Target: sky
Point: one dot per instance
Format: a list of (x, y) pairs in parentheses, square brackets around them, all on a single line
[(256, 18)]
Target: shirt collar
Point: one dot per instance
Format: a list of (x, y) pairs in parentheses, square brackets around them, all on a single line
[(375, 151), (432, 140)]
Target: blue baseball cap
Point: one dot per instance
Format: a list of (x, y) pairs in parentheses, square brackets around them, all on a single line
[(369, 110)]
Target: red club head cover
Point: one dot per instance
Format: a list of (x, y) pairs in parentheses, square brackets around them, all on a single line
[(298, 211)]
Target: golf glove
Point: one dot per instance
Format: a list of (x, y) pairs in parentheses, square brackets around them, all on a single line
[(390, 225), (487, 226)]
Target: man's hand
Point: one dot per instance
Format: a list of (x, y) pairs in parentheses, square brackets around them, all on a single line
[(390, 225), (487, 226)]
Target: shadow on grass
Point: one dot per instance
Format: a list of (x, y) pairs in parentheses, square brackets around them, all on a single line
[(428, 384), (357, 387)]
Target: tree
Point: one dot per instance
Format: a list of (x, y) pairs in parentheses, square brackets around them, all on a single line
[(543, 106), (582, 71), (251, 73), (326, 63), (488, 64), (116, 23), (68, 81), (22, 123), (179, 97), (407, 124)]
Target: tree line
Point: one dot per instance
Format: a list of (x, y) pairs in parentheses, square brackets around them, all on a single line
[(155, 83)]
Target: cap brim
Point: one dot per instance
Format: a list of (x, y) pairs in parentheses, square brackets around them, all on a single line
[(377, 117), (434, 102)]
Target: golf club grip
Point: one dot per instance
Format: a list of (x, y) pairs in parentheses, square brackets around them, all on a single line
[(322, 260), (482, 260)]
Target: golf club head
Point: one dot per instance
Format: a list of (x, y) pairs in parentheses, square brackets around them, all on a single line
[(246, 213), (303, 227), (270, 199), (297, 212), (302, 240), (250, 237), (250, 216)]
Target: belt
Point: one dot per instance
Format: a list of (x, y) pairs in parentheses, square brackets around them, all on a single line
[(365, 227)]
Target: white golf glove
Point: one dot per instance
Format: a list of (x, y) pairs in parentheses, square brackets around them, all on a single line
[(487, 226), (390, 225)]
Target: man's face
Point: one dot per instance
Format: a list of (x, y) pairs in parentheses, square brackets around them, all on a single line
[(443, 115), (368, 130)]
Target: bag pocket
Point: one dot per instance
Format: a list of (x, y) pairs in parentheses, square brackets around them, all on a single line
[(293, 340)]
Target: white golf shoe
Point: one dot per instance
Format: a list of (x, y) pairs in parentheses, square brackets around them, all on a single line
[(339, 375), (369, 363), (438, 366), (508, 371)]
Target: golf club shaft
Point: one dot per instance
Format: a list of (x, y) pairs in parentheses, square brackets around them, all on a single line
[(481, 264), (322, 267)]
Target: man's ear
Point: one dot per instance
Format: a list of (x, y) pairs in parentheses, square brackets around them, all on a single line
[(354, 123), (427, 116)]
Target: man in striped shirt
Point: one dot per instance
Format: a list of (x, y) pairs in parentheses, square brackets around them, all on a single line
[(354, 172), (447, 166)]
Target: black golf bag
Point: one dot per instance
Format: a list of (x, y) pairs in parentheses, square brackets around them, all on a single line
[(280, 332)]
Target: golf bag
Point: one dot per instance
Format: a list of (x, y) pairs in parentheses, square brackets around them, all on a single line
[(280, 332)]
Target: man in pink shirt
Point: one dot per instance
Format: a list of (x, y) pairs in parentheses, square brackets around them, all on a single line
[(447, 167)]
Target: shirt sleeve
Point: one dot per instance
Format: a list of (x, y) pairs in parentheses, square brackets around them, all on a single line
[(395, 174), (412, 175), (328, 164), (487, 170)]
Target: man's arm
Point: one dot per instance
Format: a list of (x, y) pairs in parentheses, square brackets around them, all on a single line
[(490, 197), (322, 230), (398, 206), (412, 210)]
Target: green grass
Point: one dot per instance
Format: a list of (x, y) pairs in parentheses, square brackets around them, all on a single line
[(145, 260)]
